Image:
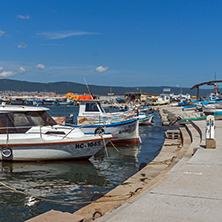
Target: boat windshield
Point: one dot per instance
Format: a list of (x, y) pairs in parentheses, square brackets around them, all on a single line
[(91, 107), (20, 122), (101, 108)]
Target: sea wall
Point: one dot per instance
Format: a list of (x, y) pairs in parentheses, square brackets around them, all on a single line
[(149, 175)]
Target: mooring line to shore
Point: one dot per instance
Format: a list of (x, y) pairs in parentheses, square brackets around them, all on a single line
[(129, 195)]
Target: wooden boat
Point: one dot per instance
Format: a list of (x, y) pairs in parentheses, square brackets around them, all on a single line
[(190, 107), (210, 109), (92, 115), (143, 114), (163, 99), (146, 109), (30, 134), (144, 119)]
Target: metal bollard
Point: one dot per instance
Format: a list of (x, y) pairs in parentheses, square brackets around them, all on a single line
[(210, 132)]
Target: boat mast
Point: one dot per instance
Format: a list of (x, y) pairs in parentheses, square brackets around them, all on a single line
[(88, 88)]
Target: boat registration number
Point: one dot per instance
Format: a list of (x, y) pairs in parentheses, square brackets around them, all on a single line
[(87, 145)]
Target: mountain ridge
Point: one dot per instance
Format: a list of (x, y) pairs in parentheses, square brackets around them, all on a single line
[(63, 87)]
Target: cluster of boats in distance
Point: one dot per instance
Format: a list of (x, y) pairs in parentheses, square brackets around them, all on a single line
[(209, 106), (29, 133)]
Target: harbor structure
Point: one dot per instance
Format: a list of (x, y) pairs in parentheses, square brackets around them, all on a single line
[(183, 181), (209, 83)]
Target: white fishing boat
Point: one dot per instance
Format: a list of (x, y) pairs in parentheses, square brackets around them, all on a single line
[(163, 99), (92, 115), (30, 134), (210, 109), (144, 119), (146, 109)]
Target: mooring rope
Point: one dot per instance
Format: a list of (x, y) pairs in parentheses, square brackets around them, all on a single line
[(107, 154), (115, 147), (130, 194), (120, 197), (106, 150)]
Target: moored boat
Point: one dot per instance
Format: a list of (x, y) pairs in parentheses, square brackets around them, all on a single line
[(210, 109), (30, 134), (92, 115), (146, 109), (144, 119), (144, 116), (190, 107)]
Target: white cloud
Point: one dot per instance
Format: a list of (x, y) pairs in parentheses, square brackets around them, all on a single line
[(2, 32), (64, 34), (6, 74), (102, 69), (40, 66), (23, 16), (22, 45), (21, 70)]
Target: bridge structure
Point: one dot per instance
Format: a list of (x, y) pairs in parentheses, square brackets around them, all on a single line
[(212, 83)]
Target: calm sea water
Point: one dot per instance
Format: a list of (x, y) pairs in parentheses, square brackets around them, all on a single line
[(73, 180)]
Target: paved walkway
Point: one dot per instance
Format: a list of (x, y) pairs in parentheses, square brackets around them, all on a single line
[(190, 191)]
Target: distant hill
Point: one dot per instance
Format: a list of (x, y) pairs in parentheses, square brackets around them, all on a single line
[(65, 87)]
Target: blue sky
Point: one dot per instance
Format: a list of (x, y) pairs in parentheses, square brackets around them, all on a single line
[(111, 42)]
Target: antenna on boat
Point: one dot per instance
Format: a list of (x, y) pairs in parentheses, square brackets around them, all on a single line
[(88, 87)]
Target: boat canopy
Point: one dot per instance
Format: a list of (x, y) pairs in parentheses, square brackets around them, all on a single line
[(14, 108), (21, 122), (90, 107)]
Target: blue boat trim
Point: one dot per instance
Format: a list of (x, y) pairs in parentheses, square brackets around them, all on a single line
[(91, 133), (106, 125)]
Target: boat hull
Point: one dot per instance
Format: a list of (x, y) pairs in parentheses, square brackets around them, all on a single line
[(211, 111), (127, 132), (189, 108), (44, 150), (145, 121)]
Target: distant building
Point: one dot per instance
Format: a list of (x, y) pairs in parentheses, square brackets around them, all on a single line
[(139, 96)]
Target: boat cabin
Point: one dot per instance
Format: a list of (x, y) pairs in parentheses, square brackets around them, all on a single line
[(19, 119), (92, 112), (164, 98), (89, 107)]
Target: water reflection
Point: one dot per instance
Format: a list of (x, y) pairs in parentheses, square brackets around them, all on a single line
[(63, 181), (73, 180), (128, 152), (47, 178)]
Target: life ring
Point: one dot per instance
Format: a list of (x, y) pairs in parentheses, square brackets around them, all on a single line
[(99, 131), (6, 153)]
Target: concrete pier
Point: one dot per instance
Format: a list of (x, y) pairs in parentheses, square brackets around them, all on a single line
[(190, 191), (182, 184)]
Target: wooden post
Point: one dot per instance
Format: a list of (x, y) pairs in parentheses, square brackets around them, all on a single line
[(198, 93)]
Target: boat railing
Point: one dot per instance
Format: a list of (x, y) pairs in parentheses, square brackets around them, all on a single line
[(103, 119), (68, 133), (24, 129), (51, 131), (9, 130), (13, 129), (99, 119)]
